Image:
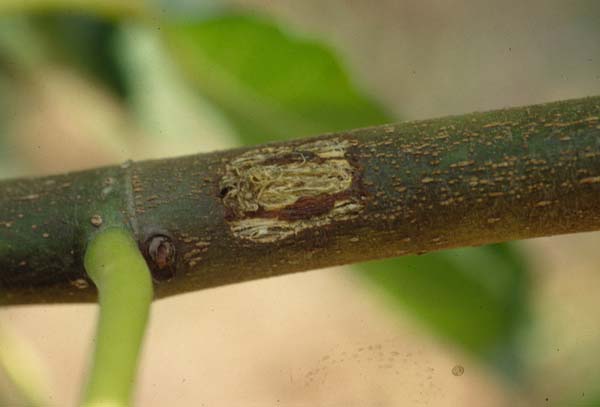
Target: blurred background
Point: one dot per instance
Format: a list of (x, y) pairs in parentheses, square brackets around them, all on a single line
[(85, 83)]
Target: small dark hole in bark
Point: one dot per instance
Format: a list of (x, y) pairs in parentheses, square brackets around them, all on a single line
[(224, 191), (161, 252)]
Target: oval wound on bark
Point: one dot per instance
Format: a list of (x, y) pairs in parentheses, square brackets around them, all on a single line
[(276, 192)]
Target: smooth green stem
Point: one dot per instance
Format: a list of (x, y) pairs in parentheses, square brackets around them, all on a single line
[(115, 264)]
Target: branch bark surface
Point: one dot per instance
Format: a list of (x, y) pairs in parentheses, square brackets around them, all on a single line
[(231, 216)]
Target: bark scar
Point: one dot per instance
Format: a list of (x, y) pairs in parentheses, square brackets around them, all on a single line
[(276, 192)]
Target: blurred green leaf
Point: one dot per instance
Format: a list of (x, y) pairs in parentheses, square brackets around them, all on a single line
[(474, 297), (20, 48), (175, 119), (107, 8), (271, 84), (82, 41), (274, 85), (29, 44), (44, 61)]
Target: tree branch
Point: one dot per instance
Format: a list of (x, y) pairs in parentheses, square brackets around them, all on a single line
[(225, 217)]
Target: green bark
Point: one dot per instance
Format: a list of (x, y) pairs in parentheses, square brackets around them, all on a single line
[(225, 217)]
